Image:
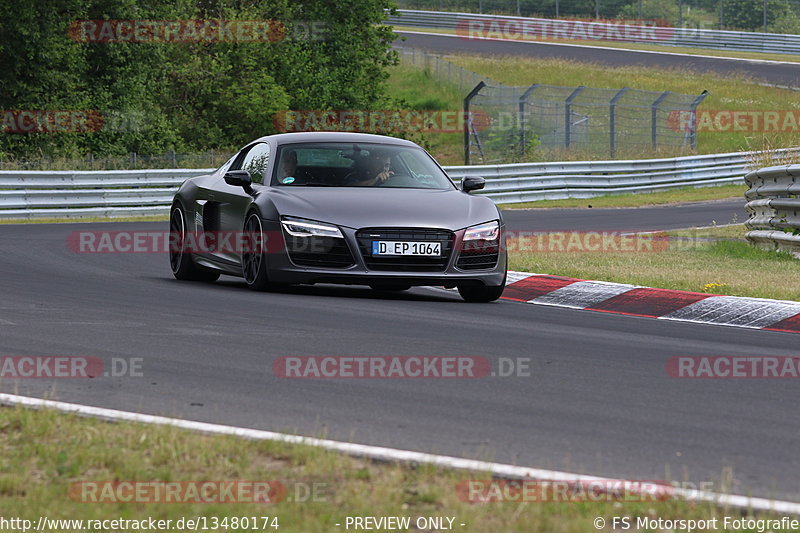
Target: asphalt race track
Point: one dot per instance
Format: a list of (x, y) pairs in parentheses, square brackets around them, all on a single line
[(598, 399), (696, 214), (771, 72)]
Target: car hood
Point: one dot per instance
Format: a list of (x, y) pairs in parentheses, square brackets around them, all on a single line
[(359, 207)]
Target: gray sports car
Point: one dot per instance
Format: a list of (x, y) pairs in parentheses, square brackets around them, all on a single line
[(345, 208)]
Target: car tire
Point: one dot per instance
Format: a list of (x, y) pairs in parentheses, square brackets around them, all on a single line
[(483, 294), (480, 294), (254, 263), (390, 288), (180, 261)]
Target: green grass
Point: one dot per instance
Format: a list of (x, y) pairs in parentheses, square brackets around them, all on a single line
[(45, 453), (728, 92), (683, 194), (787, 58), (416, 89), (692, 260)]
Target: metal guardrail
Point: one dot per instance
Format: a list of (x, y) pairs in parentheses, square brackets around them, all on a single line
[(774, 208), (684, 37), (586, 179), (47, 194), (117, 193)]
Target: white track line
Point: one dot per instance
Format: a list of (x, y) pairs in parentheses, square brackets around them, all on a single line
[(395, 455), (500, 39)]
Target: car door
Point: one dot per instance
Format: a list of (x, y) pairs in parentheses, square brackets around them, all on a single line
[(229, 205)]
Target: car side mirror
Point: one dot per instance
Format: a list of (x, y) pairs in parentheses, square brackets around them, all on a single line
[(239, 178), (472, 183)]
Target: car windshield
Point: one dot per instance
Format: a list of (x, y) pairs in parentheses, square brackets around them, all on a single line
[(357, 165)]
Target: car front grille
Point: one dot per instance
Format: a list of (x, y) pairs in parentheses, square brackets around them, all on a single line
[(324, 252), (405, 263), (478, 255)]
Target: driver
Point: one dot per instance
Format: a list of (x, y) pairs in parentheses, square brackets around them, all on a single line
[(374, 171)]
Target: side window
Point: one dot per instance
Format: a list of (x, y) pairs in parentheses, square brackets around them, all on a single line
[(256, 161)]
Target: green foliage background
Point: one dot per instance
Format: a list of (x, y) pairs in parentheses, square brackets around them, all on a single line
[(185, 96)]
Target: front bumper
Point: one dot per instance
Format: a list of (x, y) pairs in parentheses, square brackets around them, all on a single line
[(282, 269)]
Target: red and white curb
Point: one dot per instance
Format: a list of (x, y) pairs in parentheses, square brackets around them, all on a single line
[(379, 453), (754, 313)]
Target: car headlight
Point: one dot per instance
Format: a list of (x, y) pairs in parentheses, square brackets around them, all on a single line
[(483, 232), (301, 227)]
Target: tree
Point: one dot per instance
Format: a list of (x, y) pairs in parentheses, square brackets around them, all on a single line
[(749, 14)]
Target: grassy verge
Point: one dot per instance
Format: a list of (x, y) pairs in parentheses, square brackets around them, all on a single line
[(416, 89), (45, 453), (714, 260), (683, 194), (728, 92), (787, 58)]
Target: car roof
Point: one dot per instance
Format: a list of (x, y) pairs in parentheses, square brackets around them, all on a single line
[(333, 136)]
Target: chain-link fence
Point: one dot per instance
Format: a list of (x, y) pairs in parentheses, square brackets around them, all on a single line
[(441, 69), (775, 16), (511, 123)]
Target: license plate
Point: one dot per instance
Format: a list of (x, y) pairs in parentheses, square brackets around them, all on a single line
[(430, 249)]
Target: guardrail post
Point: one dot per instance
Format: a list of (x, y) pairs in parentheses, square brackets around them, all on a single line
[(523, 100), (568, 113), (693, 108), (468, 120), (654, 118), (612, 108)]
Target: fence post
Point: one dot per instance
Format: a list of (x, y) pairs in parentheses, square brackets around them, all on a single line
[(568, 114), (522, 101), (654, 118), (693, 108), (612, 107), (468, 120)]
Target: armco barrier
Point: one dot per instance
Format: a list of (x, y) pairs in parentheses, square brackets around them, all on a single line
[(116, 193), (774, 207), (43, 194), (684, 37)]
